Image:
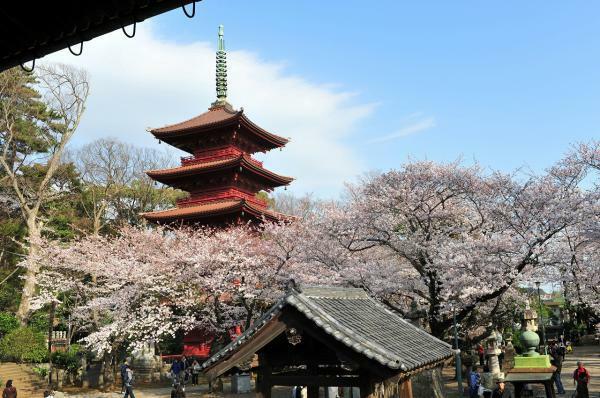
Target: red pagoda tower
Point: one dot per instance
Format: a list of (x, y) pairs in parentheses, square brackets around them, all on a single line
[(221, 175)]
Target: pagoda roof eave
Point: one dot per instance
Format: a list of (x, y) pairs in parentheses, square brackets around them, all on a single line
[(212, 209), (204, 122), (169, 175)]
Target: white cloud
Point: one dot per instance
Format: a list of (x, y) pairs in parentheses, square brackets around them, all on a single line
[(413, 124), (150, 82)]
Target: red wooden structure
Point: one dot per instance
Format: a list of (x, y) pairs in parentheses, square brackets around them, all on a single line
[(221, 176)]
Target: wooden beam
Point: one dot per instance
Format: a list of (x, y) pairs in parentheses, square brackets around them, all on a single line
[(405, 389), (318, 372), (324, 381), (270, 331)]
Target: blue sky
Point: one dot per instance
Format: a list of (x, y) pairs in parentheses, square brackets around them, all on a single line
[(509, 84)]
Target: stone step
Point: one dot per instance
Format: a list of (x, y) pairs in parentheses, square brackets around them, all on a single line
[(27, 382)]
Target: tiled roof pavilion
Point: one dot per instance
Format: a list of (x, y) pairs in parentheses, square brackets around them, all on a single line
[(361, 324)]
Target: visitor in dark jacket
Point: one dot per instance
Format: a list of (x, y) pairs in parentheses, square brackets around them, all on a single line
[(176, 368), (123, 371), (9, 391), (501, 391), (556, 361)]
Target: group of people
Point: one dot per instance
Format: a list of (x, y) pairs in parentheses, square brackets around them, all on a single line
[(484, 384), (185, 370)]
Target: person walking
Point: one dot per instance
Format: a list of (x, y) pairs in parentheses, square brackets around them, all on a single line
[(501, 391), (557, 360), (129, 384), (474, 382), (9, 391), (123, 372), (195, 372), (187, 376), (184, 363), (481, 353), (501, 356), (581, 378), (176, 369)]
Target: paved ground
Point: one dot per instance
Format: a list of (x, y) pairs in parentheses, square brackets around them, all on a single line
[(590, 355), (191, 392)]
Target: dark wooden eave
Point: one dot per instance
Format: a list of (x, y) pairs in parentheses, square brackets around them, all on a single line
[(32, 29), (210, 210), (181, 173)]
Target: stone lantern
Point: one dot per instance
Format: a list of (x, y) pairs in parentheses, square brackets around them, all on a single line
[(493, 349)]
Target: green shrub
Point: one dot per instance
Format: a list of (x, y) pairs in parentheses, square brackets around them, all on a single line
[(38, 321), (67, 360), (8, 323), (24, 345), (41, 371)]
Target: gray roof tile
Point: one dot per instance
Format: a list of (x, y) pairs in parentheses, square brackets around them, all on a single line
[(361, 323)]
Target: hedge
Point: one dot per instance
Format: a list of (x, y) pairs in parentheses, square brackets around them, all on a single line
[(24, 345)]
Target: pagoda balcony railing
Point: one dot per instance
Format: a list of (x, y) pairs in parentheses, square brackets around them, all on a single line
[(212, 155), (220, 194)]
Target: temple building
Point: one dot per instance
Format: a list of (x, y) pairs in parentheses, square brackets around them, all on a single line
[(323, 337), (221, 176)]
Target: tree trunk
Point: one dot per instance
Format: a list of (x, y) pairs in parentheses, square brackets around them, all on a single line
[(34, 234)]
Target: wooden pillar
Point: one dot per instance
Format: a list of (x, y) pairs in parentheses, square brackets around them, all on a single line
[(518, 389), (263, 378), (366, 386), (405, 389)]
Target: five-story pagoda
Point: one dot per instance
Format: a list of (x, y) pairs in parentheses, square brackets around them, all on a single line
[(221, 175)]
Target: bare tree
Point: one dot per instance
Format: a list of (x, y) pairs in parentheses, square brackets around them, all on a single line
[(65, 90), (300, 207), (116, 187)]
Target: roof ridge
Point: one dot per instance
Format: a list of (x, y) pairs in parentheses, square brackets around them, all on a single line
[(335, 292)]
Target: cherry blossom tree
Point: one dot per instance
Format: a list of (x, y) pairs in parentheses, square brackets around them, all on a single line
[(444, 235), (152, 283), (427, 238), (575, 259)]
